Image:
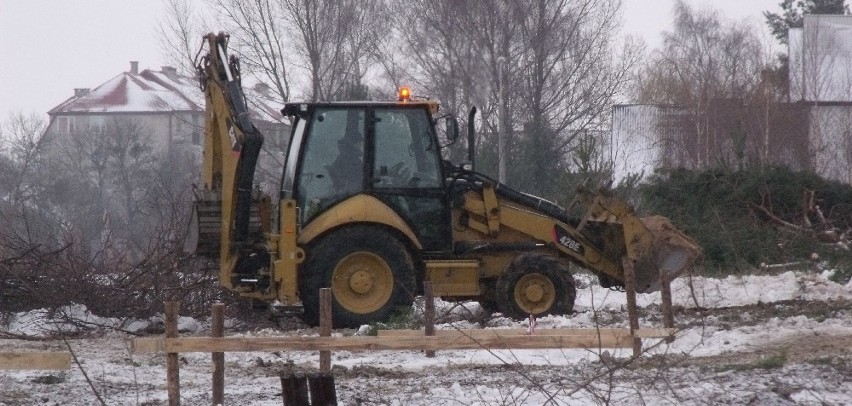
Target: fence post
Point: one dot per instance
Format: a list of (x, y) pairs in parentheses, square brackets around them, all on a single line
[(666, 299), (323, 392), (217, 329), (294, 388), (172, 365), (632, 310), (325, 327), (429, 313)]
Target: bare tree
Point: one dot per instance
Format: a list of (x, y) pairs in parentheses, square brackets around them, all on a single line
[(332, 41), (336, 40), (21, 184), (98, 212), (180, 34), (438, 56), (430, 50), (99, 186), (260, 30), (703, 58), (22, 140), (704, 61), (571, 73), (28, 243), (541, 73), (497, 37)]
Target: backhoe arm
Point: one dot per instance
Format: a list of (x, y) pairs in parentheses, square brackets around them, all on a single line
[(231, 148)]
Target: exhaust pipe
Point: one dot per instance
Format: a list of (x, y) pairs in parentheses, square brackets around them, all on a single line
[(471, 137)]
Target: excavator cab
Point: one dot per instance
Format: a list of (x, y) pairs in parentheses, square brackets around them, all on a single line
[(388, 151)]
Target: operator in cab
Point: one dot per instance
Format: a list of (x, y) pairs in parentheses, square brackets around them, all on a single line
[(346, 170)]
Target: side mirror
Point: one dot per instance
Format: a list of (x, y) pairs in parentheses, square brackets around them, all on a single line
[(452, 128)]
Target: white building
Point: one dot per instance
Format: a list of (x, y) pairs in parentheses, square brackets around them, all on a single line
[(821, 77)]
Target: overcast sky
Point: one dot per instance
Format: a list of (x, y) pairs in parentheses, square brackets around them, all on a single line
[(50, 47)]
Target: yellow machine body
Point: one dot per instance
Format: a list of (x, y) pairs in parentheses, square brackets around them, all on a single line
[(472, 237)]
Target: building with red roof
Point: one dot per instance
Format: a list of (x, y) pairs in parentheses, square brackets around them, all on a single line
[(169, 105)]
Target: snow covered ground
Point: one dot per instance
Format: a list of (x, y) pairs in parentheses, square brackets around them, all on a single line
[(769, 339)]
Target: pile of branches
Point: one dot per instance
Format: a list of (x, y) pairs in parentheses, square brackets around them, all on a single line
[(33, 276), (20, 283), (746, 218), (812, 221)]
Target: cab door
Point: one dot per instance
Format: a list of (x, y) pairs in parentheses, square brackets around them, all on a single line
[(406, 171), (332, 165)]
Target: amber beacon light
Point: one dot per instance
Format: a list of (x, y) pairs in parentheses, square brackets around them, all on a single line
[(404, 93)]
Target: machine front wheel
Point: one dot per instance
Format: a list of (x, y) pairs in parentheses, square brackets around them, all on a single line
[(370, 274), (536, 284)]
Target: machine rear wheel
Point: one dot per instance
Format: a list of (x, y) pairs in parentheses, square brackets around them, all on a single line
[(536, 284), (369, 272)]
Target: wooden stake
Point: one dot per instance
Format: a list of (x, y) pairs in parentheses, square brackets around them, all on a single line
[(323, 392), (294, 388), (666, 298), (429, 313), (325, 327), (172, 365), (217, 329), (632, 310)]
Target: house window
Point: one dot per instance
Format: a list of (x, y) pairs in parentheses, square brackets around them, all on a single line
[(195, 126), (96, 124), (62, 125)]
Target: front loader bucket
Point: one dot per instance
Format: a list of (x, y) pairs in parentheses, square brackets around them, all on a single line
[(668, 255)]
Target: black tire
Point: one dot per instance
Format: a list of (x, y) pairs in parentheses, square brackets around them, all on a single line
[(488, 298), (377, 268), (536, 284), (489, 306), (609, 282)]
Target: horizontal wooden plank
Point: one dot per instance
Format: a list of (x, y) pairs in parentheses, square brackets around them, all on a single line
[(147, 345), (34, 360), (620, 332), (243, 344)]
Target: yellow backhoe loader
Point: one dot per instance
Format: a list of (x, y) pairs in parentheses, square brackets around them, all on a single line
[(369, 208)]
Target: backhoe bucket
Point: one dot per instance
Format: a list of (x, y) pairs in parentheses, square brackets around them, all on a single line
[(204, 232), (670, 253), (204, 235)]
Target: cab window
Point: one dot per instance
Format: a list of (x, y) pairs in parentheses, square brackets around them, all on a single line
[(405, 154), (332, 162)]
